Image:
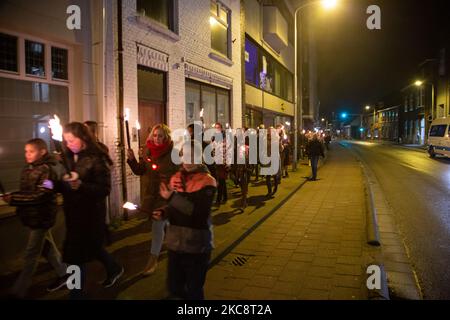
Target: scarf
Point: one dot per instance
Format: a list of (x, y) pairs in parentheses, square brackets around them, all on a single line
[(157, 151)]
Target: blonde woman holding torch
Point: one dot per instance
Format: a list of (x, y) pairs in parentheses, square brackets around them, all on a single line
[(157, 166)]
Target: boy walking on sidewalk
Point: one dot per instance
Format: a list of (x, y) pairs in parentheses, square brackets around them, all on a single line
[(36, 208)]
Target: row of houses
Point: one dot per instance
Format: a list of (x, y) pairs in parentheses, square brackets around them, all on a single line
[(405, 116), (164, 60)]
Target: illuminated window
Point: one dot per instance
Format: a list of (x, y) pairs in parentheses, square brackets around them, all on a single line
[(220, 28)]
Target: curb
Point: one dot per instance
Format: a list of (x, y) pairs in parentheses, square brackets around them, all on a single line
[(373, 234), (372, 231)]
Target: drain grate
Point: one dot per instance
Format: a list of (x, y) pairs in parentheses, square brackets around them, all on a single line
[(239, 261)]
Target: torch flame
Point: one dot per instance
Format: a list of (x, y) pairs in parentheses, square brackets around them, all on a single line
[(127, 114), (55, 126), (138, 125), (130, 206)]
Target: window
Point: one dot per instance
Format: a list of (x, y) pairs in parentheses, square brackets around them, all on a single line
[(35, 58), (161, 11), (220, 28), (266, 73), (8, 53), (438, 131), (223, 106), (59, 63), (251, 63), (215, 103), (26, 108)]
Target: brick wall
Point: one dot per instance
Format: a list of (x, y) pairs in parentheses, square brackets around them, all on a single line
[(193, 46)]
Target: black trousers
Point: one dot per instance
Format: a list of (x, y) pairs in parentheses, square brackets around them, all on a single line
[(222, 194), (187, 274), (110, 265)]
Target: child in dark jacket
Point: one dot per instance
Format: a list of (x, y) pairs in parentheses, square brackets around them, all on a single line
[(189, 236), (36, 208)]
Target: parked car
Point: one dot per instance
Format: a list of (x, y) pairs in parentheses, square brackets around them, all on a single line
[(438, 138)]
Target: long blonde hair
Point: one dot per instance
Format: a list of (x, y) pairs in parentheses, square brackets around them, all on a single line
[(165, 130)]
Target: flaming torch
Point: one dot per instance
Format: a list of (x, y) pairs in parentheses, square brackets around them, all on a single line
[(201, 117), (138, 128), (127, 118), (131, 206), (56, 130)]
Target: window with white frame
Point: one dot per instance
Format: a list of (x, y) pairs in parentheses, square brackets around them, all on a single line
[(220, 28), (31, 92)]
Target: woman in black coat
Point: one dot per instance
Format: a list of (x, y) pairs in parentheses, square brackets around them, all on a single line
[(85, 193)]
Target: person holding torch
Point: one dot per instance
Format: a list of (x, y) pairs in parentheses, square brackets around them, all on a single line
[(84, 190), (155, 166)]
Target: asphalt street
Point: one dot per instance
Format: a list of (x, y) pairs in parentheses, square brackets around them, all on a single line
[(418, 190)]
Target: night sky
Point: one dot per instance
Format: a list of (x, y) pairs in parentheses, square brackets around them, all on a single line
[(357, 66)]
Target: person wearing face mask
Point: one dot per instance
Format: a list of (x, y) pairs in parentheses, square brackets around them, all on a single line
[(189, 237), (155, 166), (84, 192)]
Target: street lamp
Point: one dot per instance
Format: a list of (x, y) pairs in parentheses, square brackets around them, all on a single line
[(373, 124), (419, 83), (328, 5)]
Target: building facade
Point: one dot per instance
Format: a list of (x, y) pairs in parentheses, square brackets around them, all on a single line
[(179, 58), (46, 70), (269, 64)]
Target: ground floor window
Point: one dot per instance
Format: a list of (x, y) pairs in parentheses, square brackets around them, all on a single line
[(25, 109), (214, 101), (253, 118)]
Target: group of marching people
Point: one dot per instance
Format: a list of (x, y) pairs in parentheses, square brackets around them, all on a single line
[(178, 197)]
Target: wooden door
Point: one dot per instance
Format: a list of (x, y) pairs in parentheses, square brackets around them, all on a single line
[(150, 114)]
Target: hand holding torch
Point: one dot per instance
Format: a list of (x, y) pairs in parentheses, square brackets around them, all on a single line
[(127, 127)]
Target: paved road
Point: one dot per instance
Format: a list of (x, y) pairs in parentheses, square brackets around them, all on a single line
[(418, 190)]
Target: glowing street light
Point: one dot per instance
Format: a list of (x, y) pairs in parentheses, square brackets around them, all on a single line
[(329, 4), (326, 4), (418, 83)]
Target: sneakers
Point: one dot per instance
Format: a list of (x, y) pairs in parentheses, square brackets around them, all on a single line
[(111, 280), (58, 283), (151, 265)]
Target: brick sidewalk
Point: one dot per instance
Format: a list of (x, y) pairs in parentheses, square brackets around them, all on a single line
[(313, 247)]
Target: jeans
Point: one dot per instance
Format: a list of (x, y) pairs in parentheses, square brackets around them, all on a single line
[(40, 241), (314, 163), (187, 274), (158, 234)]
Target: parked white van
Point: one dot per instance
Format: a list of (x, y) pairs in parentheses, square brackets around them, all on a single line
[(438, 138)]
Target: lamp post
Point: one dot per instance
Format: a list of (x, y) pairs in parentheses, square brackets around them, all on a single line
[(327, 4), (373, 121), (419, 83)]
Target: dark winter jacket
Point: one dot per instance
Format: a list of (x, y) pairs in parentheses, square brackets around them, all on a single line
[(154, 171), (189, 213), (85, 208), (314, 148), (36, 205)]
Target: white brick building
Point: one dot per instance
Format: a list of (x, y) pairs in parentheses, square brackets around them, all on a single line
[(169, 65)]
